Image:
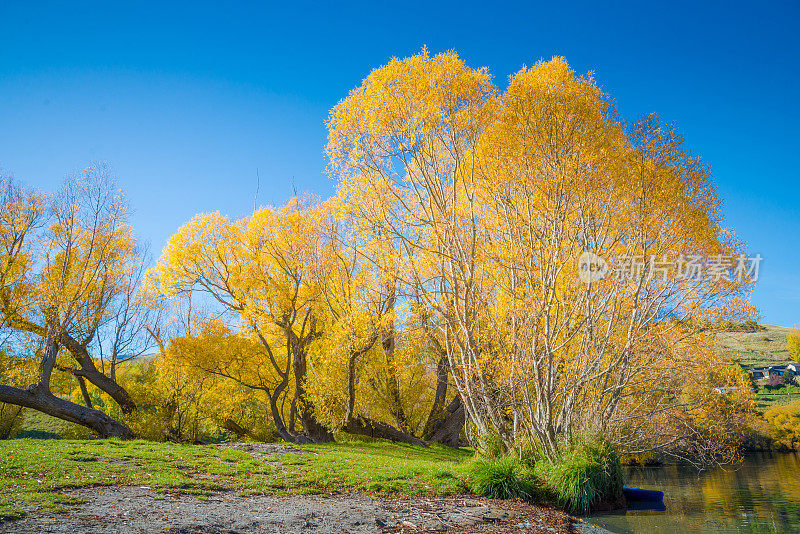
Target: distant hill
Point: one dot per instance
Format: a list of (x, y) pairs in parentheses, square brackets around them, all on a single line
[(145, 358), (762, 347)]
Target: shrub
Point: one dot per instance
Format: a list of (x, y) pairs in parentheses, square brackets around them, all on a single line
[(588, 476), (774, 382), (747, 326), (784, 424), (751, 326), (501, 478)]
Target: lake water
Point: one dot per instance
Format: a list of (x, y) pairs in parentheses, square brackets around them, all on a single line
[(761, 495)]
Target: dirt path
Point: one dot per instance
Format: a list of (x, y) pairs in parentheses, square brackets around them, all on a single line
[(140, 509)]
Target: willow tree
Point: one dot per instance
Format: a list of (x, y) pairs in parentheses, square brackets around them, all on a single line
[(494, 198), (365, 379), (69, 273), (258, 270)]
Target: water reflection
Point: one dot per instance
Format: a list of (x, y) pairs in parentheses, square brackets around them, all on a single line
[(761, 495)]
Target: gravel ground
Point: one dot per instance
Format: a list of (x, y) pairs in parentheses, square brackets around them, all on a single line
[(140, 509)]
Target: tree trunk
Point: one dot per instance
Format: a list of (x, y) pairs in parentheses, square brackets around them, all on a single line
[(316, 431), (232, 426), (48, 360), (351, 386), (437, 413), (84, 391), (277, 416), (375, 429), (38, 397), (82, 357), (313, 430), (114, 390), (393, 383), (448, 430), (42, 400)]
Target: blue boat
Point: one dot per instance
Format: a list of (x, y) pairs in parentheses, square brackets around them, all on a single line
[(638, 494)]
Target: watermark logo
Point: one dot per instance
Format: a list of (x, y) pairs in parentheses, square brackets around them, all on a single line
[(591, 267), (692, 267)]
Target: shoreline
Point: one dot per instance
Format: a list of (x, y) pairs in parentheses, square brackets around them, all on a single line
[(143, 509)]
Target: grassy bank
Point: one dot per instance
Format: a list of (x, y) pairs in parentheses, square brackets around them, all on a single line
[(36, 473), (758, 348)]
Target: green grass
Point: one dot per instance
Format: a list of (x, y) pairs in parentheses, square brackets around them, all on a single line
[(587, 477), (502, 478), (35, 474), (766, 399), (376, 467), (40, 425)]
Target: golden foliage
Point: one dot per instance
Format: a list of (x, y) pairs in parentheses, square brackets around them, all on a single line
[(493, 197), (784, 424), (793, 344)]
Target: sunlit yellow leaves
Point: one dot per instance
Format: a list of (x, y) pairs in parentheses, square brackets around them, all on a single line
[(784, 424), (793, 344), (460, 214), (491, 199), (412, 101)]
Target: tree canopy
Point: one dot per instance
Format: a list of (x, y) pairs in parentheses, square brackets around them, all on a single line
[(519, 262)]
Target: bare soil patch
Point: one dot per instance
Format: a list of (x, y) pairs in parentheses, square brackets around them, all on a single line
[(139, 509)]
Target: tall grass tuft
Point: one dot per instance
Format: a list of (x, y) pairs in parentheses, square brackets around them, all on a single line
[(587, 477), (501, 478)]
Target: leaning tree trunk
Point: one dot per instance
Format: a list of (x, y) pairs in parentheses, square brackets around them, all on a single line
[(45, 402), (89, 372), (39, 397), (87, 400), (81, 355), (375, 429), (232, 426)]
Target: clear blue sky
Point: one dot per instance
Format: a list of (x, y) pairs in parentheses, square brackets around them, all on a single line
[(187, 101)]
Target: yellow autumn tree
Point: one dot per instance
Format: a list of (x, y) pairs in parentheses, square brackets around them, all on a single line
[(363, 375), (494, 198), (258, 270), (793, 343), (784, 424), (71, 269), (202, 400)]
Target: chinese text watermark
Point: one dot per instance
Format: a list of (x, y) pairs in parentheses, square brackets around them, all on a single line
[(690, 267)]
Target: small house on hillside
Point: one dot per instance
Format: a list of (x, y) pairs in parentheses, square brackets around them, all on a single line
[(776, 370), (758, 373), (782, 373)]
